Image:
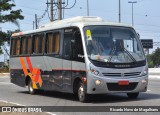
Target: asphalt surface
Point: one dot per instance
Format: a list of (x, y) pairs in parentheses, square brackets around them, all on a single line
[(15, 94)]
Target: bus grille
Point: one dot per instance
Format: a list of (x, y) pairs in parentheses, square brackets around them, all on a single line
[(121, 74), (116, 87)]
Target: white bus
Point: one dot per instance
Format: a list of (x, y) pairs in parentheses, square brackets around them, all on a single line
[(81, 55)]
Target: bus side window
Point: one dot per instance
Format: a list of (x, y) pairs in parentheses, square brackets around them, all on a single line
[(38, 44), (67, 46), (13, 46), (53, 42), (41, 44), (29, 45), (35, 44), (24, 44), (18, 46), (78, 54)]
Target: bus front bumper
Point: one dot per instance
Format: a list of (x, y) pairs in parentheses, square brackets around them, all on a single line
[(104, 85)]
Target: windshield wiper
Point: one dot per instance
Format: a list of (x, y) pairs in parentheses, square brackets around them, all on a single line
[(129, 54), (113, 51)]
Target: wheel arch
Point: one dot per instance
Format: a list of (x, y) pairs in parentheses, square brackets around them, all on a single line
[(28, 78), (76, 84)]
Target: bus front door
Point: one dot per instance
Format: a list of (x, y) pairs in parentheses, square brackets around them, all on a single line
[(67, 63)]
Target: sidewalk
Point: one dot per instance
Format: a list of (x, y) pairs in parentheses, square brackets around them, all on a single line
[(154, 73), (4, 75)]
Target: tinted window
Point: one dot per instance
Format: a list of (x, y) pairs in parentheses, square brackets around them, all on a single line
[(53, 42), (78, 54), (15, 46), (29, 41), (24, 44), (38, 44), (67, 46)]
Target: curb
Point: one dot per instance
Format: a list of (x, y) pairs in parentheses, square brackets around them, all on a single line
[(4, 73)]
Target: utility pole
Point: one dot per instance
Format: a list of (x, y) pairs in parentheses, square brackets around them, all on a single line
[(59, 9), (87, 7), (33, 25), (63, 9), (119, 11), (36, 21), (0, 9), (132, 2), (51, 10)]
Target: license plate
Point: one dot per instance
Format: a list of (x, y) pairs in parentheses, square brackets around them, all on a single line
[(123, 83)]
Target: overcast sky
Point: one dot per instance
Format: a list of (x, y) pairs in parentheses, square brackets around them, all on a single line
[(146, 14)]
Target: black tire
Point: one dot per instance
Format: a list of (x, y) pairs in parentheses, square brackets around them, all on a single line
[(133, 95), (82, 96), (30, 87)]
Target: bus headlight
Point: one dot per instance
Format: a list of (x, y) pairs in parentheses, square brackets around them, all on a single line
[(144, 81), (145, 72), (98, 82)]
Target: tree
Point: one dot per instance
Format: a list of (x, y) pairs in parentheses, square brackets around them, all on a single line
[(7, 14), (150, 61), (13, 15), (155, 57)]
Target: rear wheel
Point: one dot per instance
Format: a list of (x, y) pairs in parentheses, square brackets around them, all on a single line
[(30, 87), (133, 95), (82, 96)]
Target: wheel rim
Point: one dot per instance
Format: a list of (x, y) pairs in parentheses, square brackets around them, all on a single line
[(81, 92)]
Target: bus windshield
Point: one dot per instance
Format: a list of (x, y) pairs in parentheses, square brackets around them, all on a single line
[(113, 44)]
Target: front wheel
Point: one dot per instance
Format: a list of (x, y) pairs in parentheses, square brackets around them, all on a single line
[(83, 97), (133, 95), (30, 87)]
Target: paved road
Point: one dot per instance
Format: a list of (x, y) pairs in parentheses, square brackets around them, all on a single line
[(12, 93)]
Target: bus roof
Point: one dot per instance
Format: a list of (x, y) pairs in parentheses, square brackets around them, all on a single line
[(76, 21)]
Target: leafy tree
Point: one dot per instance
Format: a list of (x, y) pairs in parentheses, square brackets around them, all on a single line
[(13, 15), (150, 62), (7, 14), (155, 57)]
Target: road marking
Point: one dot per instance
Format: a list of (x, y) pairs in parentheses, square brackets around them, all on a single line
[(4, 77), (11, 103), (154, 76), (149, 90), (8, 83), (22, 105)]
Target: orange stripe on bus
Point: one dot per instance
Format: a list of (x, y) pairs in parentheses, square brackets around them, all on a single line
[(29, 64), (34, 71), (37, 76), (40, 81), (23, 66)]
